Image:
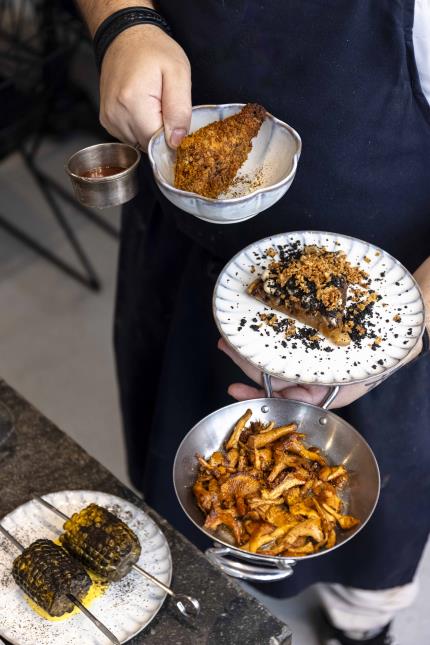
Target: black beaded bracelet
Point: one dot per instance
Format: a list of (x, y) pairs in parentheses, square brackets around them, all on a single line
[(121, 20)]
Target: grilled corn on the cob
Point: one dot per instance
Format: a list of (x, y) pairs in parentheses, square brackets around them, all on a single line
[(101, 541), (46, 573)]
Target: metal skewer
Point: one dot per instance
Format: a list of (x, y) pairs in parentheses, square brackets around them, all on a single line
[(188, 606), (93, 619), (11, 538), (71, 597)]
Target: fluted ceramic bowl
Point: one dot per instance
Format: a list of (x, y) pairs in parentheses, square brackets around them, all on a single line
[(264, 178)]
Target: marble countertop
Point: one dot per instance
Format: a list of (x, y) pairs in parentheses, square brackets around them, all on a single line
[(39, 458)]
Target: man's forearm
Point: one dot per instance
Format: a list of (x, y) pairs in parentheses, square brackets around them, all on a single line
[(95, 11), (422, 276)]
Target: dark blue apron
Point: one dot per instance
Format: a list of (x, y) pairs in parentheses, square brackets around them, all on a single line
[(342, 72)]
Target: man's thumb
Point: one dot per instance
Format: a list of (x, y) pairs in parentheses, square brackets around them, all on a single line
[(176, 106)]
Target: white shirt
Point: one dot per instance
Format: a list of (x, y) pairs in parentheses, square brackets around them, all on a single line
[(421, 37)]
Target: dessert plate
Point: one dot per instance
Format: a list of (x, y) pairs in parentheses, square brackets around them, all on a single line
[(125, 607), (397, 319)]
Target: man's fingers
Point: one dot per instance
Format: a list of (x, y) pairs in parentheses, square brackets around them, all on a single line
[(147, 119), (242, 392), (133, 114), (313, 395), (145, 83), (176, 103), (124, 132), (136, 124)]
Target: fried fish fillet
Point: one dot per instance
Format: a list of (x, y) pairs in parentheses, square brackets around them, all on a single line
[(207, 160)]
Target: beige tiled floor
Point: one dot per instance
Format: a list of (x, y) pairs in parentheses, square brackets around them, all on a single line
[(55, 348)]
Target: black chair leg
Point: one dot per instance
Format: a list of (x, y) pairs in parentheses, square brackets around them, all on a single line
[(89, 280), (86, 212), (39, 39), (88, 277)]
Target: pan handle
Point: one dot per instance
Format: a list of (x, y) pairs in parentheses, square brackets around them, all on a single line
[(267, 382), (247, 571), (327, 400), (330, 397)]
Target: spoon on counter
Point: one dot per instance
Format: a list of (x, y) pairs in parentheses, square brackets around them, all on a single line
[(186, 605)]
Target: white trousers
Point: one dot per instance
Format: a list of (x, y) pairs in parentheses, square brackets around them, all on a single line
[(358, 611)]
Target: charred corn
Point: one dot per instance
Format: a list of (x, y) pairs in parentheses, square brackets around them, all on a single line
[(101, 541), (47, 573)]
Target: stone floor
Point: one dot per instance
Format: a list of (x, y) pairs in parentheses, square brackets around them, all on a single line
[(55, 348)]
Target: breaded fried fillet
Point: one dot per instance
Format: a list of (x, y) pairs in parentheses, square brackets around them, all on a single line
[(207, 160)]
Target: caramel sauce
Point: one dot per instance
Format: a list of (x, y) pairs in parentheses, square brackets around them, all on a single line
[(101, 171)]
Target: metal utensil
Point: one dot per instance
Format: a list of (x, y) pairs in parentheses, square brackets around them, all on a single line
[(104, 192), (338, 440), (188, 606), (74, 600)]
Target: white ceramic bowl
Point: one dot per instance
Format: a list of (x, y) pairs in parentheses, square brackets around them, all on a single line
[(274, 158)]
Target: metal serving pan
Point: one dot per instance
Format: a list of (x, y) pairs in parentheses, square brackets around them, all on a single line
[(338, 440)]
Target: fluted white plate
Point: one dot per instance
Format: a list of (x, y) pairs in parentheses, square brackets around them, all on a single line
[(125, 608), (274, 157), (400, 295)]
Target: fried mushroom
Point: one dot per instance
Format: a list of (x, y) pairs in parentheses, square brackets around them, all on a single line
[(272, 493)]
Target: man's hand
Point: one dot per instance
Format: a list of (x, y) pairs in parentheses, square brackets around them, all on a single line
[(315, 394), (145, 84), (145, 79)]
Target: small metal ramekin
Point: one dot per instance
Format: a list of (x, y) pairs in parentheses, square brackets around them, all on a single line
[(104, 192)]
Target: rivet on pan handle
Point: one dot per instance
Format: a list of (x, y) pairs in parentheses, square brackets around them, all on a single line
[(325, 403)]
